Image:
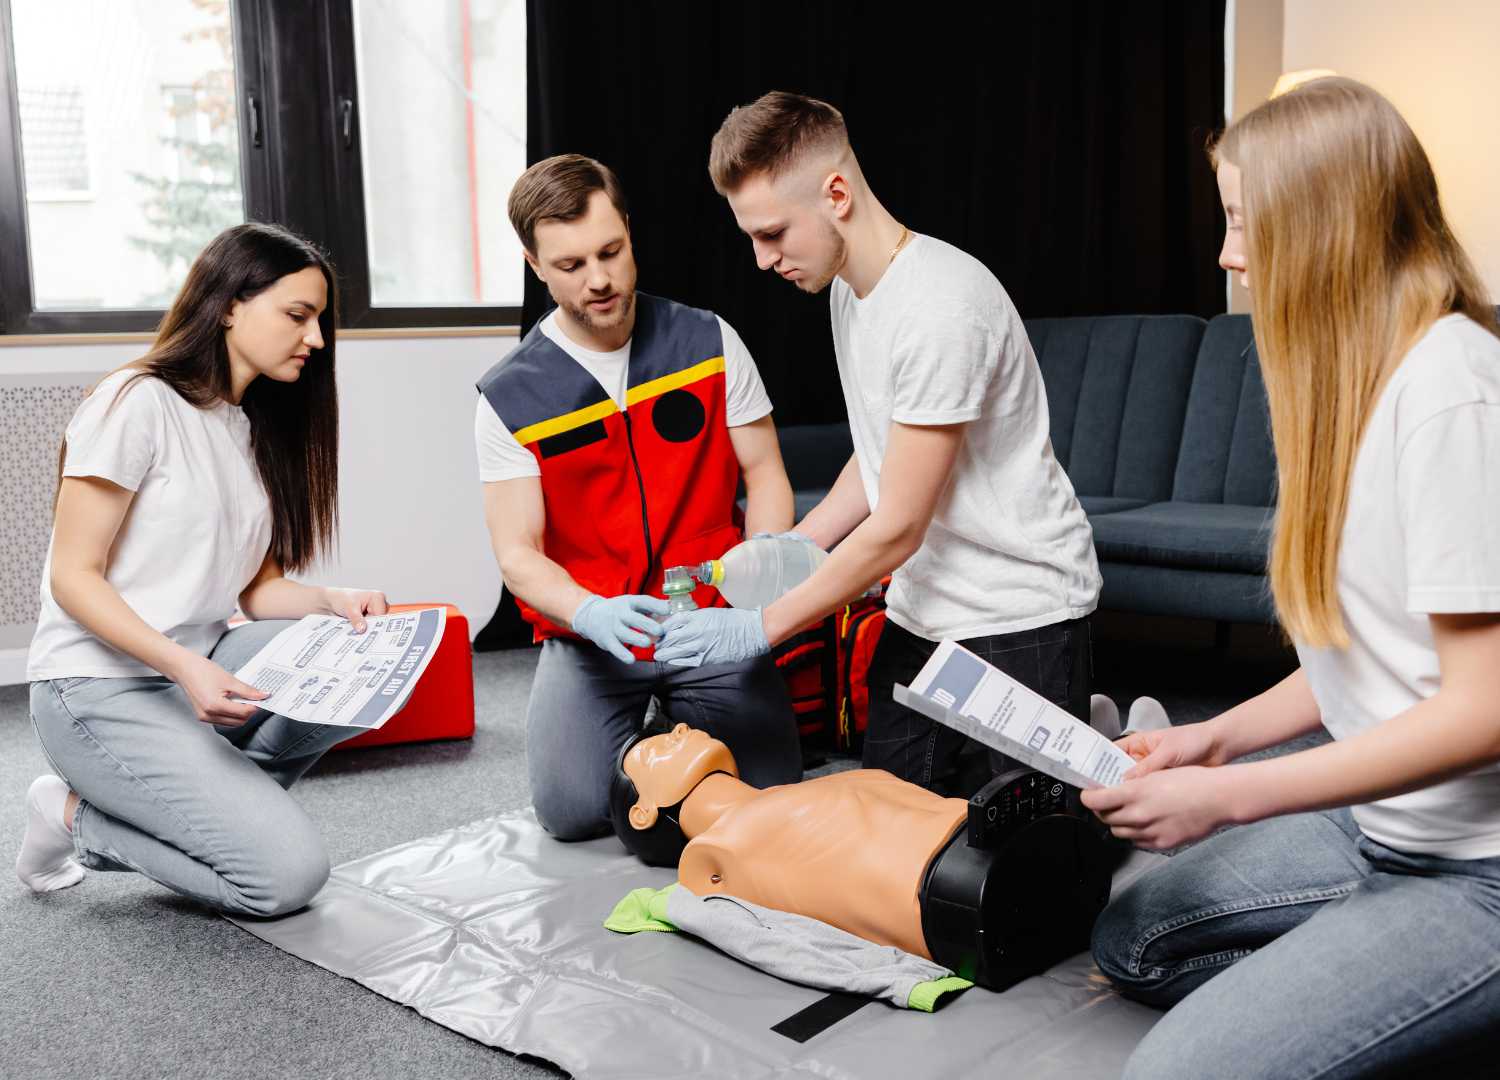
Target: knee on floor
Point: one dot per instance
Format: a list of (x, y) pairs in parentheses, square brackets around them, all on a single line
[(568, 819), (1116, 934), (285, 877)]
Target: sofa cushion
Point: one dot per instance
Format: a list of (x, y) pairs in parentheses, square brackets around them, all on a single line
[(1226, 454), (1117, 392), (1197, 594), (1108, 504), (1194, 536)]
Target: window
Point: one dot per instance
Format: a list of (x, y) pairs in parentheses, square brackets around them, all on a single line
[(387, 131), (112, 217), (444, 135)]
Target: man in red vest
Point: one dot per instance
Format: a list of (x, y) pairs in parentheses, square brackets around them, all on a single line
[(611, 443)]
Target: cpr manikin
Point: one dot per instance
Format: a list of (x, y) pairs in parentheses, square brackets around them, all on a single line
[(873, 855)]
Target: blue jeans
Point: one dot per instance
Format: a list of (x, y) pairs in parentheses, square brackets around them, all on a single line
[(200, 809), (585, 705), (1298, 947)]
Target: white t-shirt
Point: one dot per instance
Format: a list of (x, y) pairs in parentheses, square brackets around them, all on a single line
[(196, 534), (502, 458), (937, 341), (1422, 536)]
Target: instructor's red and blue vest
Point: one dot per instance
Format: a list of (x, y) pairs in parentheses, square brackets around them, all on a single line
[(629, 493)]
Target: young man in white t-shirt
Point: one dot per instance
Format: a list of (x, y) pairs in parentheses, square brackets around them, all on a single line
[(611, 444), (953, 484)]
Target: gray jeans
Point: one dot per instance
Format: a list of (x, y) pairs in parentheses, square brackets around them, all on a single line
[(201, 809), (585, 704)]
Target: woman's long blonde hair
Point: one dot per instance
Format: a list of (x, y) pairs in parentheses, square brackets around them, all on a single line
[(1350, 261)]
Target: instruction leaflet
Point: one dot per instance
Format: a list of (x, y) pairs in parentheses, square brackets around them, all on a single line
[(319, 671), (958, 689)]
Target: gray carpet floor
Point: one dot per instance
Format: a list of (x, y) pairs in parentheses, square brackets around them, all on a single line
[(118, 977)]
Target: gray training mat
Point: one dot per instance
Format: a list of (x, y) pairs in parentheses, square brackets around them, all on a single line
[(496, 930)]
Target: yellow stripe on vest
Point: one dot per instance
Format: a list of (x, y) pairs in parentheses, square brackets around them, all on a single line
[(566, 422), (545, 429), (657, 387)]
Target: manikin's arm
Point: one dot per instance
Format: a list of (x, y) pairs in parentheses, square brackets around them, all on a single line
[(517, 520), (841, 510), (1453, 732), (768, 493), (918, 464)]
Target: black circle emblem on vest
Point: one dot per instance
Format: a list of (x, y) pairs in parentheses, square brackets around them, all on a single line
[(678, 416)]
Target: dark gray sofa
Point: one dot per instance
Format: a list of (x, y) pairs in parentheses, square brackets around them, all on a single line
[(1161, 424)]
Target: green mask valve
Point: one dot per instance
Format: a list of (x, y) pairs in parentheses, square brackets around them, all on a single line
[(678, 587)]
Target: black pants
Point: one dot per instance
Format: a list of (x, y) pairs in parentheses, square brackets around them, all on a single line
[(1056, 661)]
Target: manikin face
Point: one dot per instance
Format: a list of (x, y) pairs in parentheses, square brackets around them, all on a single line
[(275, 331), (1232, 256), (666, 768), (588, 265), (790, 224)]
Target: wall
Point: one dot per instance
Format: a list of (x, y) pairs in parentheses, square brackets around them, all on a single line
[(1254, 41), (1436, 61), (412, 523), (1438, 64)]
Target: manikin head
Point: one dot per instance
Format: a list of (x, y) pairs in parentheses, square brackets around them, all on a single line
[(792, 181), (569, 212), (656, 773)]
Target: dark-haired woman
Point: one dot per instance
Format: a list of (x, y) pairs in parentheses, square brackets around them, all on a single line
[(190, 481)]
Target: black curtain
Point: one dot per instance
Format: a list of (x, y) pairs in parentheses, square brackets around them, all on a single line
[(1060, 142)]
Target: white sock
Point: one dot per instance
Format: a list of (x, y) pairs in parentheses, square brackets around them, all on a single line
[(1148, 714), (1104, 716), (46, 861)]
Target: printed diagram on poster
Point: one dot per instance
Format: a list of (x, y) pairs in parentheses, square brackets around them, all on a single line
[(320, 671), (958, 689)]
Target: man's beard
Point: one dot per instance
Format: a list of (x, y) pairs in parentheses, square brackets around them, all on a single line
[(836, 256), (584, 317)]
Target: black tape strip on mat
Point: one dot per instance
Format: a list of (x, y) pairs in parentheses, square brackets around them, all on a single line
[(820, 1016)]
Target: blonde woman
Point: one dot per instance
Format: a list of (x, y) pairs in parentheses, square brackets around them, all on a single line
[(1352, 924)]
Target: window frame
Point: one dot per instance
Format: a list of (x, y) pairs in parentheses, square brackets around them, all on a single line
[(285, 120)]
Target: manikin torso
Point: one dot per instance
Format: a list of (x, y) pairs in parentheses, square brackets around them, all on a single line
[(848, 849)]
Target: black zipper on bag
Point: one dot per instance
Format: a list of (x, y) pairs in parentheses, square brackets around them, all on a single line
[(640, 484)]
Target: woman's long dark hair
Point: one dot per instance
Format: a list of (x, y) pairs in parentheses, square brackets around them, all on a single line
[(294, 426)]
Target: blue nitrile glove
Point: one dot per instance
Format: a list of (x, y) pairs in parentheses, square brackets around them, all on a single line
[(619, 622), (790, 534), (718, 635)]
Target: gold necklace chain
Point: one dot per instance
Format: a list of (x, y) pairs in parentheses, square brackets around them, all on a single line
[(900, 243)]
